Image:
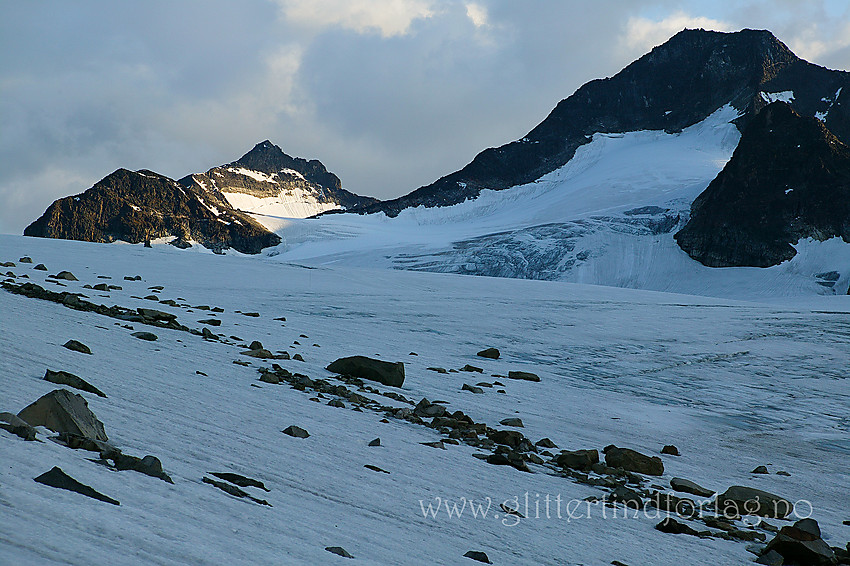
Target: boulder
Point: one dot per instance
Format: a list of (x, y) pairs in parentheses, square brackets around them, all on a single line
[(65, 276), (491, 353), (760, 470), (375, 442), (802, 545), (156, 315), (296, 432), (149, 336), (63, 411), (59, 479), (740, 500), (471, 368), (472, 388), (255, 345), (578, 459), (210, 321), (633, 461), (523, 375), (670, 450), (427, 409), (478, 555), (546, 443), (673, 526), (40, 267), (629, 497), (512, 421), (687, 486), (339, 551), (262, 354), (149, 465), (388, 373), (77, 346), (17, 426), (240, 480), (64, 378), (101, 287), (511, 438), (25, 259)]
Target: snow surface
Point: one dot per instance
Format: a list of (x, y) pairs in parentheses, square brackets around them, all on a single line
[(732, 384), (784, 96), (271, 211)]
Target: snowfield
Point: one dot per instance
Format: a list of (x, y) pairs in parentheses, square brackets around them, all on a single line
[(732, 384)]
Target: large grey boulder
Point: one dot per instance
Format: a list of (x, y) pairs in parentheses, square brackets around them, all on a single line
[(633, 461), (578, 459), (687, 486), (388, 373), (65, 378), (63, 411), (742, 500), (801, 544)]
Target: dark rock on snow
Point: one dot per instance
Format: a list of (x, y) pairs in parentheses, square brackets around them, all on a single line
[(388, 373), (633, 461), (17, 426), (479, 556), (742, 500), (339, 551), (296, 431), (149, 336), (670, 450), (492, 353), (240, 480), (687, 486), (63, 411), (77, 346), (578, 459), (59, 479), (523, 375), (71, 380)]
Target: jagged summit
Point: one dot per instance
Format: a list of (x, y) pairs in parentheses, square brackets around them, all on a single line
[(788, 179), (268, 158), (672, 87)]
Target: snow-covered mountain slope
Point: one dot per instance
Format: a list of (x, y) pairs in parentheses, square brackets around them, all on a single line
[(607, 217), (733, 385), (269, 184)]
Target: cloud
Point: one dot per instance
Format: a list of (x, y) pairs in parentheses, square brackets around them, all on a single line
[(386, 17), (642, 34), (477, 14)]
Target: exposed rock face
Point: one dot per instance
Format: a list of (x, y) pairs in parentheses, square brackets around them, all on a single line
[(59, 479), (388, 373), (139, 206), (65, 378), (712, 68), (266, 171), (63, 411), (788, 179)]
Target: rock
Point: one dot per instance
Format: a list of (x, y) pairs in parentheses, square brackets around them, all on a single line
[(672, 526), (101, 287), (783, 473), (267, 377), (742, 500), (211, 322), (687, 486), (25, 259), (149, 336), (629, 497), (40, 267), (427, 409), (472, 389), (149, 465), (436, 444), (77, 442), (479, 556), (673, 504), (59, 479), (262, 354), (298, 357), (63, 411), (760, 470), (473, 369), (256, 345), (546, 443), (336, 403), (376, 442), (633, 461), (156, 315), (77, 346), (513, 460), (234, 491), (65, 276), (802, 545), (511, 438), (251, 314), (375, 468), (771, 558), (132, 278), (438, 370), (241, 481), (339, 551), (296, 431), (492, 353), (512, 421), (670, 450), (578, 459), (17, 426), (388, 373), (71, 380), (523, 375)]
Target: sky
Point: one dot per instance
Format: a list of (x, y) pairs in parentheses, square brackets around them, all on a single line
[(389, 94)]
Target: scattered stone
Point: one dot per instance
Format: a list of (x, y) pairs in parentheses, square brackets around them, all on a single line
[(156, 315), (740, 500), (17, 426), (7, 264), (71, 380), (149, 336), (298, 358), (629, 497), (523, 375), (268, 377), (336, 403), (670, 450), (376, 442), (437, 444), (687, 486), (77, 442), (673, 504), (771, 558), (40, 267), (478, 555), (59, 479), (339, 551), (262, 354), (801, 544), (251, 314), (672, 526), (210, 321), (512, 421), (484, 384), (65, 276), (783, 473), (256, 345), (217, 309), (511, 438), (149, 465), (151, 298), (77, 346), (633, 461), (438, 370), (492, 353), (281, 318), (388, 373), (471, 388), (471, 368), (241, 481), (375, 468), (132, 278), (207, 333), (296, 431), (100, 287), (63, 411), (410, 354), (427, 409), (234, 491), (25, 259), (546, 443), (578, 459), (760, 470)]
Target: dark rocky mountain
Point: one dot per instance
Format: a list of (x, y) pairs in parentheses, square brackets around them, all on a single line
[(674, 86), (266, 171), (788, 179), (142, 205)]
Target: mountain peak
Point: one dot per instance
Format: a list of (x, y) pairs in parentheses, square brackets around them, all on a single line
[(268, 158)]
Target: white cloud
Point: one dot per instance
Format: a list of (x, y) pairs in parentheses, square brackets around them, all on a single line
[(387, 17), (642, 34), (477, 14)]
